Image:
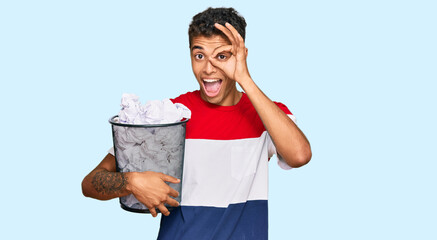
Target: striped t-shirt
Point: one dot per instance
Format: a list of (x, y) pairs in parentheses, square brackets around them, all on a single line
[(225, 177)]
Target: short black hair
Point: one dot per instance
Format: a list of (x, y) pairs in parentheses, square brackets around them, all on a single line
[(203, 23)]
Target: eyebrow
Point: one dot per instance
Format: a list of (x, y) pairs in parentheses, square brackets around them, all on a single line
[(196, 47)]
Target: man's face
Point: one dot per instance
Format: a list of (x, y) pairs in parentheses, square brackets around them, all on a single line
[(215, 86)]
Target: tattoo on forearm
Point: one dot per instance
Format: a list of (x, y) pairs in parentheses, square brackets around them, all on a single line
[(109, 182)]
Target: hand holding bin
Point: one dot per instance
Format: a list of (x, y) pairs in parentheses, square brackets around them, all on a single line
[(149, 147)]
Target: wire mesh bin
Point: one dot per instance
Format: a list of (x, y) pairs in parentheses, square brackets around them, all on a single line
[(157, 147)]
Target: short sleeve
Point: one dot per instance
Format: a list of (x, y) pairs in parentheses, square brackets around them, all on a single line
[(111, 151), (283, 108)]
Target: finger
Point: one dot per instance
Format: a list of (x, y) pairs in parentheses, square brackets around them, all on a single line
[(172, 202), (163, 209), (224, 64), (234, 32), (227, 48), (152, 211), (226, 31), (168, 178), (238, 38), (173, 192)]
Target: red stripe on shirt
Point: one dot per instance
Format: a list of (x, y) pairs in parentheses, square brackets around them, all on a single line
[(222, 122)]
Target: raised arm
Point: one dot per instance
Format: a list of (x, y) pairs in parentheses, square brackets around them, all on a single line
[(105, 183), (289, 140)]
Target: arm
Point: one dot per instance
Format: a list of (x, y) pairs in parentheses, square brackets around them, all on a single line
[(289, 140), (105, 183)]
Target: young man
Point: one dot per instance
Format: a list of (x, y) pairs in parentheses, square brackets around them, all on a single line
[(229, 140)]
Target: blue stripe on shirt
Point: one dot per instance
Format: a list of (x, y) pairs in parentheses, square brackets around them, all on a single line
[(247, 220)]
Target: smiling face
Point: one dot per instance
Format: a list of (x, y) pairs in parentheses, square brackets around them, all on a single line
[(215, 86)]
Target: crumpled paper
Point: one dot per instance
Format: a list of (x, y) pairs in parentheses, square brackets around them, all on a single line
[(153, 112)]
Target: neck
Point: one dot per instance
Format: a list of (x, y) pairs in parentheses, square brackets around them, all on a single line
[(237, 97), (233, 99)]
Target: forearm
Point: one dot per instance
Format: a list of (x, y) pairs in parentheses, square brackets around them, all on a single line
[(148, 187), (289, 140), (104, 185)]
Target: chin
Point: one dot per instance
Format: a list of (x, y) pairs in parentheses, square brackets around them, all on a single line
[(214, 100)]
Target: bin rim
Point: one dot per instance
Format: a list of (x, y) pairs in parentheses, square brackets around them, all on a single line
[(113, 122)]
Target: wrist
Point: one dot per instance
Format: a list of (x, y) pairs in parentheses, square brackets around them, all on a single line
[(130, 178), (245, 81), (247, 84)]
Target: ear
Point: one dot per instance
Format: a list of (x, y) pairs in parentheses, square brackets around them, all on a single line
[(247, 50)]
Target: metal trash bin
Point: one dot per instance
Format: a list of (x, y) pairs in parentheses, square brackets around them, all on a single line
[(157, 147)]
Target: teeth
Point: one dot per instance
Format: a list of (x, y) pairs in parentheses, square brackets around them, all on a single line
[(211, 80)]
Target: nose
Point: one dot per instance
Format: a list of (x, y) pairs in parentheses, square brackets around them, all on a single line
[(209, 68)]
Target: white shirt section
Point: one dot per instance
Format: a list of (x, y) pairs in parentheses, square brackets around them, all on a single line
[(272, 149), (222, 172), (111, 151)]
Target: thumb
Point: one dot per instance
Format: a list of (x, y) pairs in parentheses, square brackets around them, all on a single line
[(216, 64), (168, 178)]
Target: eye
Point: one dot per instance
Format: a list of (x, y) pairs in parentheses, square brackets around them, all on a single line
[(224, 56), (221, 57), (198, 56)]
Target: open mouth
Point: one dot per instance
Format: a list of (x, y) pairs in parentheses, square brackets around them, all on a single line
[(212, 86)]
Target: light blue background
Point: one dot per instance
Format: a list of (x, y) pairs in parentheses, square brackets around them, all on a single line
[(359, 76)]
